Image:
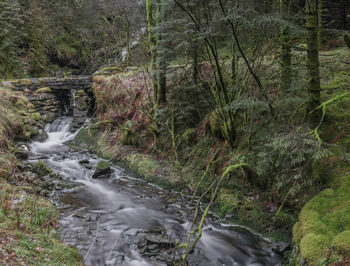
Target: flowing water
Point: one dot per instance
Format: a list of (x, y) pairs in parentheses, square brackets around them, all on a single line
[(125, 221)]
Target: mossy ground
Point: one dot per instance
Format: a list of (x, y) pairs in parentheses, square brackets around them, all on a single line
[(28, 231), (28, 223)]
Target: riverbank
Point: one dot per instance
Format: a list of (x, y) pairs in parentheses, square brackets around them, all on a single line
[(28, 221), (192, 157)]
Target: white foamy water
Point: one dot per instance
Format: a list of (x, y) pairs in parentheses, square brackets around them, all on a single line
[(59, 132)]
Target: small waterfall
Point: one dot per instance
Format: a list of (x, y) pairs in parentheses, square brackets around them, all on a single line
[(58, 132)]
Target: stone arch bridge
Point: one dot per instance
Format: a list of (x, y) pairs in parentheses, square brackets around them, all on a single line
[(54, 96)]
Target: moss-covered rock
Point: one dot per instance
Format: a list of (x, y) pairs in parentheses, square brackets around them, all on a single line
[(42, 90), (324, 219), (41, 169), (341, 243), (25, 82), (314, 247), (86, 138), (36, 116), (103, 170)]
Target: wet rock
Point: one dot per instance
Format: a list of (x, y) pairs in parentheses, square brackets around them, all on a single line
[(160, 241), (41, 136), (41, 169), (103, 170), (280, 247), (21, 153), (49, 117), (84, 161), (86, 164)]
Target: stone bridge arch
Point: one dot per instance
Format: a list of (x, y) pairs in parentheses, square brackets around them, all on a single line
[(53, 97)]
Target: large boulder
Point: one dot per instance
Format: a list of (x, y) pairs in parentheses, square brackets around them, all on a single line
[(103, 170)]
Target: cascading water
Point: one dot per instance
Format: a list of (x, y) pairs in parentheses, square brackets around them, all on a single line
[(124, 221)]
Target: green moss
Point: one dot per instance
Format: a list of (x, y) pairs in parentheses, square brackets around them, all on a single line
[(86, 138), (21, 104), (143, 164), (327, 215), (342, 243), (314, 247), (41, 169), (188, 136), (36, 116), (25, 82), (102, 165), (42, 90), (227, 201), (283, 220), (109, 70), (297, 232), (65, 51), (217, 123)]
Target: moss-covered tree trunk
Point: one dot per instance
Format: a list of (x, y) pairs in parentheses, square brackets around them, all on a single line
[(152, 45), (313, 63), (286, 51), (161, 58)]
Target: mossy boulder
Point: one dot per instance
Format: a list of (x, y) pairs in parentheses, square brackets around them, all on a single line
[(103, 170), (324, 223), (314, 247), (86, 138), (341, 243), (41, 169)]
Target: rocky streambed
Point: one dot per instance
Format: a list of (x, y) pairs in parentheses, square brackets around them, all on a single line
[(114, 219)]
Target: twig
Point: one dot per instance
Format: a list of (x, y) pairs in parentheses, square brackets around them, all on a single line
[(115, 243), (94, 240)]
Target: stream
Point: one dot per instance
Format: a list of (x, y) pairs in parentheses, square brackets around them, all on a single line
[(121, 220)]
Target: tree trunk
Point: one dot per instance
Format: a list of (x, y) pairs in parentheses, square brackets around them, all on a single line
[(153, 45), (161, 69), (286, 51), (313, 63)]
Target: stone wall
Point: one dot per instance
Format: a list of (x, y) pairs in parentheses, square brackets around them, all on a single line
[(33, 84), (54, 97)]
